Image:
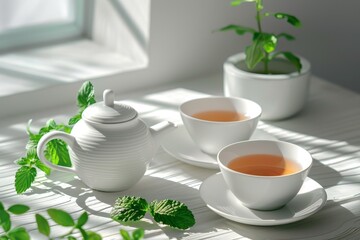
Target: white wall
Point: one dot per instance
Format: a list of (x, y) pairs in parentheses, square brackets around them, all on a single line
[(329, 37), (183, 46)]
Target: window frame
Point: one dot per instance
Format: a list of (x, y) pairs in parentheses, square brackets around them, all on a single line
[(20, 38), (61, 64)]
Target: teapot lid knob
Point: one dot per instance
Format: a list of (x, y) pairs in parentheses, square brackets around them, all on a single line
[(109, 111), (109, 97)]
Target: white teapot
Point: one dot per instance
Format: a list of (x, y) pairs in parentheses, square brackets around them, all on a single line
[(110, 147)]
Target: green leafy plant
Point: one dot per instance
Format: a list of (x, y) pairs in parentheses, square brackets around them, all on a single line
[(85, 98), (56, 150), (137, 234), (5, 222), (64, 219), (61, 218), (264, 44), (168, 212)]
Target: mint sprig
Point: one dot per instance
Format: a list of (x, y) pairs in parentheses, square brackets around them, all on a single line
[(18, 209), (56, 150), (6, 224), (59, 217), (86, 97), (172, 213), (43, 225), (136, 235), (263, 48), (24, 177), (129, 208), (169, 212)]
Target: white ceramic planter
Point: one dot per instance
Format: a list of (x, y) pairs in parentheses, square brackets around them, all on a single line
[(279, 95)]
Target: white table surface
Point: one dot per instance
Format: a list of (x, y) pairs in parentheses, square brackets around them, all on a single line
[(329, 128)]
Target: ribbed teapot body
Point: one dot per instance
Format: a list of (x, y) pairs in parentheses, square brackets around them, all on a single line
[(111, 157)]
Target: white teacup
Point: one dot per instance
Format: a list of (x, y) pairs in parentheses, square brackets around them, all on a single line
[(264, 192), (211, 136)]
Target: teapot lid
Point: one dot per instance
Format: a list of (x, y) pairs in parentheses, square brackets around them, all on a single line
[(108, 111)]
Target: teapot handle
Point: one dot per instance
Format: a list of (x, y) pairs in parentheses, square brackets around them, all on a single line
[(70, 141)]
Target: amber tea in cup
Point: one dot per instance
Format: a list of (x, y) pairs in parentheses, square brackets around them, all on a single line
[(214, 122), (264, 174), (220, 116), (264, 165)]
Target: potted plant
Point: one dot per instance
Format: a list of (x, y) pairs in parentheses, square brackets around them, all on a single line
[(277, 80)]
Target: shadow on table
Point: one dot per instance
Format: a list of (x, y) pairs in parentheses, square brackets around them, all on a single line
[(333, 221), (150, 188), (326, 117), (334, 160), (323, 174)]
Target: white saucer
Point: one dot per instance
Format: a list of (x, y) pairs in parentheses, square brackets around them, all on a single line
[(310, 199), (180, 145)]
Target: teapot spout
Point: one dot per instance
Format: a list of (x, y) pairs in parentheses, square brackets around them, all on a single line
[(161, 128)]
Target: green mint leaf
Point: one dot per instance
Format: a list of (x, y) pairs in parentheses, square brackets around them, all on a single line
[(292, 58), (40, 165), (19, 234), (30, 158), (1, 206), (61, 217), (57, 152), (5, 221), (238, 2), (24, 177), (18, 209), (73, 120), (125, 234), (85, 98), (138, 234), (259, 5), (33, 142), (6, 225), (43, 225), (86, 95), (82, 219), (286, 36), (31, 154), (172, 213), (270, 42), (129, 208), (240, 30), (71, 238), (93, 236), (47, 128), (289, 18), (83, 233), (51, 124), (64, 128), (4, 237), (254, 53), (23, 161)]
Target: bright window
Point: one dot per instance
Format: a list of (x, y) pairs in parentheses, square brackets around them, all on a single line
[(17, 14), (49, 42), (26, 23)]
